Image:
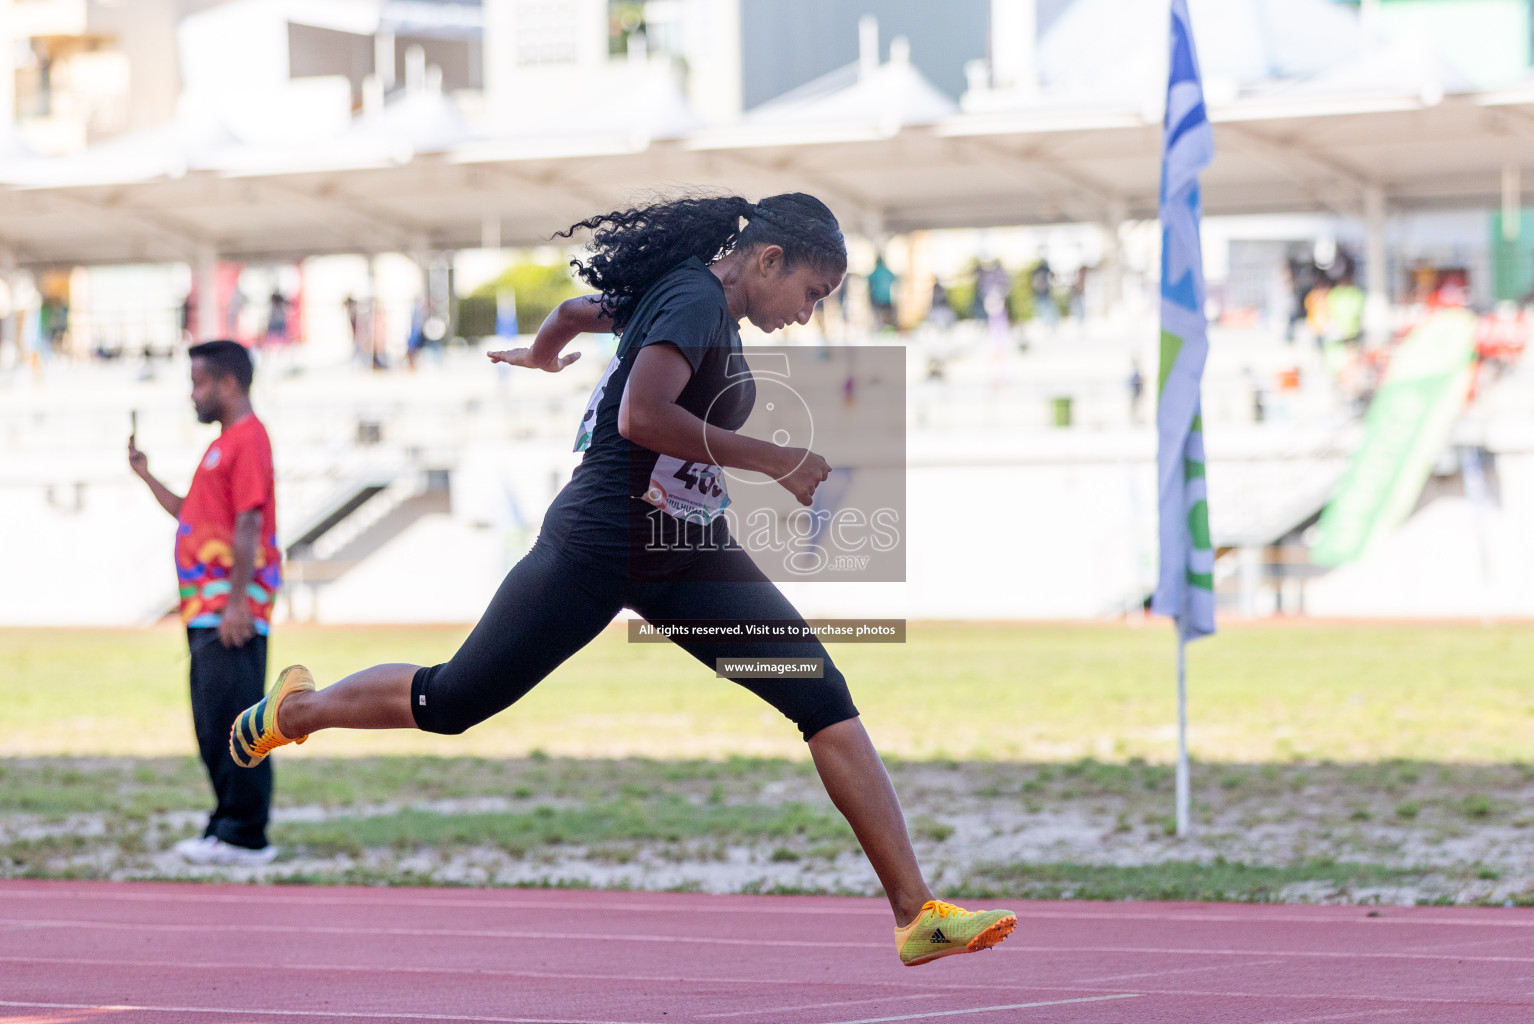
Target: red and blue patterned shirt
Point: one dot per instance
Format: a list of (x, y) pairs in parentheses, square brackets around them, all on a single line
[(235, 476)]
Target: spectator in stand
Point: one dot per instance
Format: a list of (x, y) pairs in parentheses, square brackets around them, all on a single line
[(991, 286), (353, 316), (55, 313), (1079, 293), (1303, 276), (277, 319), (881, 294), (417, 336), (941, 314), (359, 313), (1345, 310), (1041, 284), (1316, 309), (237, 304), (1453, 290)]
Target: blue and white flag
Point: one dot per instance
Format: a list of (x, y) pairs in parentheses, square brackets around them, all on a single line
[(1185, 589)]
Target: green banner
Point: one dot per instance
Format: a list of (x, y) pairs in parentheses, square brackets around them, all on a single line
[(1406, 429)]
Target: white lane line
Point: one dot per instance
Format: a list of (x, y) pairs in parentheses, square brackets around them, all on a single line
[(500, 972), (1336, 997), (26, 924), (572, 906), (1493, 919), (1334, 1016), (1526, 1000), (1176, 970), (1525, 920), (1445, 947), (394, 968), (992, 1009), (68, 1017), (331, 1014), (820, 1006), (477, 1019), (1285, 953)]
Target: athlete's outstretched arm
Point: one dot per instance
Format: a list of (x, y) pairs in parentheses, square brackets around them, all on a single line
[(580, 315), (649, 416)]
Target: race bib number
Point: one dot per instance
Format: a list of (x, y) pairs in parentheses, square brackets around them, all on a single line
[(589, 417), (694, 492)]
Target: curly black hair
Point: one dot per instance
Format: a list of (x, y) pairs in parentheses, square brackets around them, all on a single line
[(632, 249)]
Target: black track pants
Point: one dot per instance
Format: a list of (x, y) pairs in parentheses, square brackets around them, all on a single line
[(226, 681), (550, 606)]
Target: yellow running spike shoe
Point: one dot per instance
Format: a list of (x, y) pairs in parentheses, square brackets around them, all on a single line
[(254, 733), (942, 929)]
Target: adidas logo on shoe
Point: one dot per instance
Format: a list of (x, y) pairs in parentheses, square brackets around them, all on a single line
[(938, 936)]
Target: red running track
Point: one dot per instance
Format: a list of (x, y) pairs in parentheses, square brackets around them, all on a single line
[(139, 953)]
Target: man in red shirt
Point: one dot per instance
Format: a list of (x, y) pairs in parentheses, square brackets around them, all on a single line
[(229, 567)]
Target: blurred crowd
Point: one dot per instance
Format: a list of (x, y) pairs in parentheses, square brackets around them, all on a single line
[(986, 292), (387, 319)]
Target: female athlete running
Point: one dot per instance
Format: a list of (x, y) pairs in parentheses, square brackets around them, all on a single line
[(674, 280)]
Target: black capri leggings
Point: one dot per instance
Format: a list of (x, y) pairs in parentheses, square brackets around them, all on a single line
[(550, 606)]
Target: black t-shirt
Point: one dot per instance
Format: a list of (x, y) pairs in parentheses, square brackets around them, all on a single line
[(600, 517)]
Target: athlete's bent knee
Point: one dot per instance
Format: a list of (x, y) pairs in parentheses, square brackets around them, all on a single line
[(824, 705), (433, 716), (446, 728), (444, 724)]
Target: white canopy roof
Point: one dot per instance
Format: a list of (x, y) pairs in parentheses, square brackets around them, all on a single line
[(884, 148)]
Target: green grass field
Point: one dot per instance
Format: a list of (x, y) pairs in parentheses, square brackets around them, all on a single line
[(1348, 763), (1442, 693), (1395, 831)]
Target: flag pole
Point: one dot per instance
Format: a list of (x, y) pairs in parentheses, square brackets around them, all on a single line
[(1185, 590), (1183, 797)]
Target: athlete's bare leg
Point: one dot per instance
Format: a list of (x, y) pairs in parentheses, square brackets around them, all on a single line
[(854, 777), (860, 788), (375, 698)]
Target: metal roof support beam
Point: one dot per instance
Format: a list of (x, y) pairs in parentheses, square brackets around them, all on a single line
[(404, 230), (1511, 121), (1100, 198), (987, 152), (1069, 177), (360, 232), (549, 181), (13, 249), (381, 232), (181, 240), (1303, 163), (856, 208)]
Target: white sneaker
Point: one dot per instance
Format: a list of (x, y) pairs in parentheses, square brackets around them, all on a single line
[(192, 850), (213, 850)]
